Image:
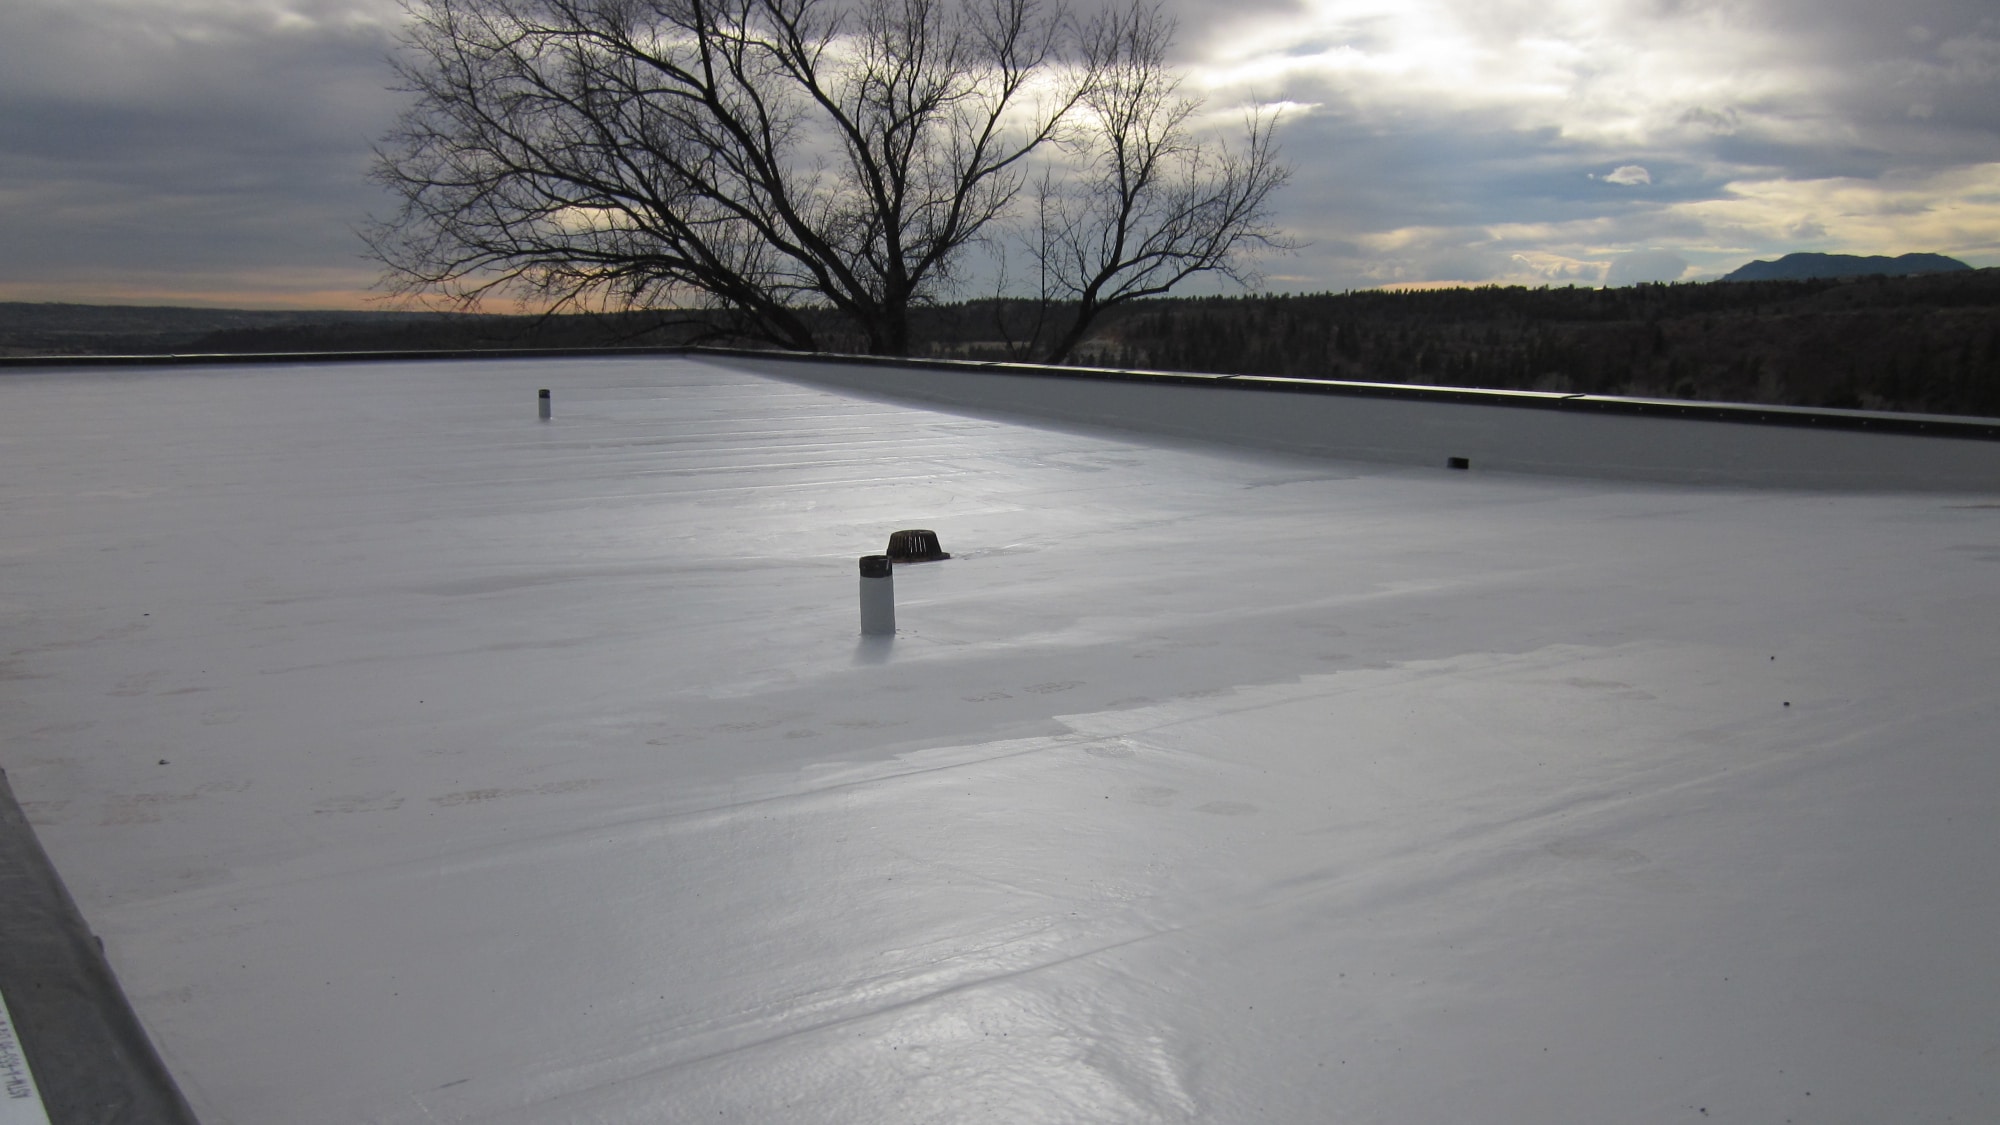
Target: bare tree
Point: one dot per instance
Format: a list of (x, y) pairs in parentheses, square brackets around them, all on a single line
[(1147, 203), (764, 158)]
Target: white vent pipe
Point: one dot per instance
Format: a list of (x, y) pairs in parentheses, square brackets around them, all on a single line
[(878, 596)]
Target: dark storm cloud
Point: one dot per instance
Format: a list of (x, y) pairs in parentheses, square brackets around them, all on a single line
[(1200, 21), (1473, 166), (146, 146)]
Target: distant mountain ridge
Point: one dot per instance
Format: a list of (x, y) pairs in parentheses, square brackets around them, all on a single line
[(1802, 267)]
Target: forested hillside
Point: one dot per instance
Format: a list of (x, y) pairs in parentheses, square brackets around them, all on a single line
[(1915, 344)]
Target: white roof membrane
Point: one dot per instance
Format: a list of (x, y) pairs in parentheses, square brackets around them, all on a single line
[(420, 761)]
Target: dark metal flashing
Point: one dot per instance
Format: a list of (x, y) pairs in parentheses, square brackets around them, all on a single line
[(85, 1047), (1858, 421), (216, 359)]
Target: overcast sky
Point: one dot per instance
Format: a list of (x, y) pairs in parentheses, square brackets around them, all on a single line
[(216, 151)]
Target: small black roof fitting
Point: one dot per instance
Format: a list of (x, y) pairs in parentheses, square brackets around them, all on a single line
[(915, 546)]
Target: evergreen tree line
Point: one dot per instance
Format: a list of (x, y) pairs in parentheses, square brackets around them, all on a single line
[(1927, 344)]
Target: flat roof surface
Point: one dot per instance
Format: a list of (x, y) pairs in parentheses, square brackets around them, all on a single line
[(419, 761)]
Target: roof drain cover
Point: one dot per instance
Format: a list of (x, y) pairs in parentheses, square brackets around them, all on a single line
[(915, 546)]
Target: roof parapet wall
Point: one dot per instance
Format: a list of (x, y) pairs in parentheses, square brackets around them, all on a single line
[(1507, 431)]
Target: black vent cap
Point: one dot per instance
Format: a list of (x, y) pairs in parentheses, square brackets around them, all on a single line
[(915, 546), (875, 566)]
